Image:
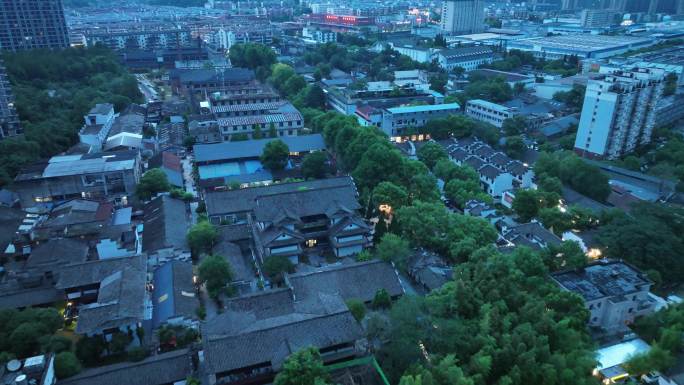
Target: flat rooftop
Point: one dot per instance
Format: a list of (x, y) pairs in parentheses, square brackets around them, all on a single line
[(424, 108), (67, 165), (602, 279), (587, 43)]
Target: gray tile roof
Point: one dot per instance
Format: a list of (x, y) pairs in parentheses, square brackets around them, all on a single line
[(120, 300), (356, 280), (92, 272), (531, 234), (161, 369), (165, 224), (304, 203), (243, 200), (56, 253), (273, 339)]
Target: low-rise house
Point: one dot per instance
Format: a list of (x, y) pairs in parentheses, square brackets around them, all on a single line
[(429, 270), (278, 323), (482, 210), (349, 281), (488, 112), (243, 119), (165, 225), (291, 219), (160, 369), (498, 173), (614, 292), (98, 122), (397, 120), (100, 175), (512, 78), (222, 163), (205, 81), (175, 298), (532, 235), (38, 370), (109, 295), (172, 166), (468, 58)]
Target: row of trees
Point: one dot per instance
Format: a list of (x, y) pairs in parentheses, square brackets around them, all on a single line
[(572, 170), (65, 90)]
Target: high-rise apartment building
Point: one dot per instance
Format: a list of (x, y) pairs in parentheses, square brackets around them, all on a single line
[(29, 24), (9, 121), (462, 16), (597, 18), (619, 112)]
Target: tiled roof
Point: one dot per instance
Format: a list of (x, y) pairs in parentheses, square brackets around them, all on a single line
[(353, 281), (160, 369), (165, 224)]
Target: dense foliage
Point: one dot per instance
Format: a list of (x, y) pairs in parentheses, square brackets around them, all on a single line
[(215, 273), (578, 174), (151, 183), (650, 238), (52, 99), (275, 155), (202, 237), (304, 367), (500, 322), (23, 332)]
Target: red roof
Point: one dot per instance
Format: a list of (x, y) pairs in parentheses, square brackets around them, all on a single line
[(171, 161)]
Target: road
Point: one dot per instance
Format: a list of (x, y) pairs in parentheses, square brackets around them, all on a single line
[(146, 87)]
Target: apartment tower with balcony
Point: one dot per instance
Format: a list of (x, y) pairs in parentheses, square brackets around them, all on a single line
[(619, 112)]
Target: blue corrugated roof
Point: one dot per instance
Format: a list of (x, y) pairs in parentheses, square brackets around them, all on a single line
[(253, 148), (423, 108), (163, 305)]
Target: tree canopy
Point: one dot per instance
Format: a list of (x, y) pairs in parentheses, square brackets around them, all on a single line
[(304, 367), (650, 238), (215, 273), (314, 165), (275, 155), (151, 183), (500, 322), (202, 237)]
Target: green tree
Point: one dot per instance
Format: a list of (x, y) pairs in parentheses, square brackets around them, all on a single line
[(314, 165), (382, 299), (515, 147), (515, 125), (256, 131), (430, 153), (649, 238), (66, 365), (315, 97), (461, 191), (392, 248), (152, 182), (357, 308), (272, 133), (202, 237), (89, 350), (275, 155), (276, 266), (388, 193), (526, 204), (215, 273), (304, 367)]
